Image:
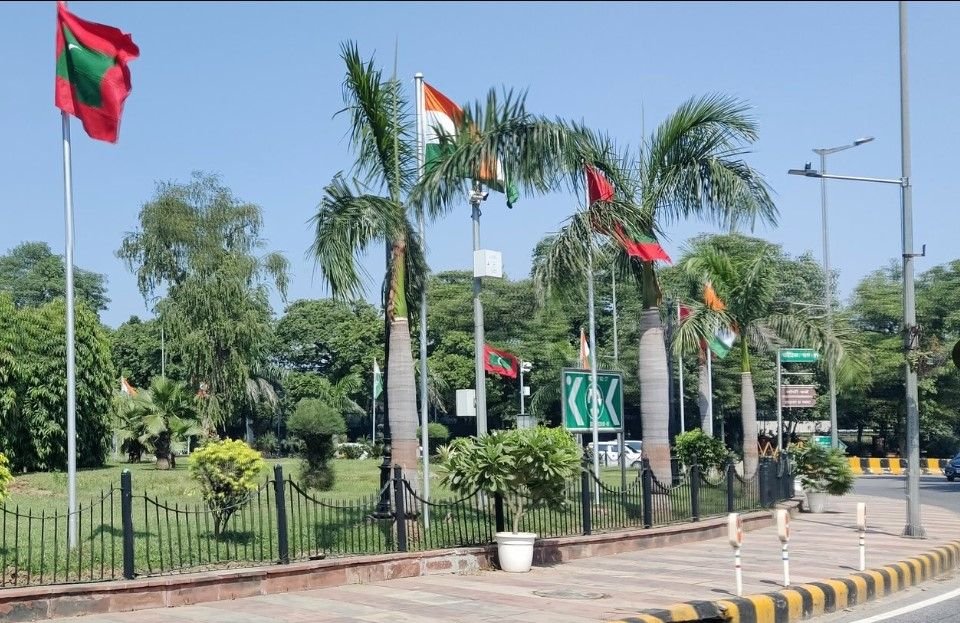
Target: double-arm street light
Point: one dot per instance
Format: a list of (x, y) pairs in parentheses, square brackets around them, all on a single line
[(913, 527), (828, 294)]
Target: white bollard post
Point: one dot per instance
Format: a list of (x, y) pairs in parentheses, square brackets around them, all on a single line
[(862, 527), (783, 531), (735, 536)]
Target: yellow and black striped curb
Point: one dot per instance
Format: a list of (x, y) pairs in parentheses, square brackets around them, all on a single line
[(804, 601), (893, 466)]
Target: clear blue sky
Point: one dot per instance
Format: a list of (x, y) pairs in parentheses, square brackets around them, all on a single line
[(248, 90)]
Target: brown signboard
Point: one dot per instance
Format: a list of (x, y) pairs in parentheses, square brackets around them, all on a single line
[(802, 396)]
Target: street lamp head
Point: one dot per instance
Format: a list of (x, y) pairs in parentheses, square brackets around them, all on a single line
[(862, 140), (807, 171)]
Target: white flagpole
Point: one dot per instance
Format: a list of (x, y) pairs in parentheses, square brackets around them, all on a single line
[(709, 354), (71, 358), (680, 373), (594, 392), (424, 407)]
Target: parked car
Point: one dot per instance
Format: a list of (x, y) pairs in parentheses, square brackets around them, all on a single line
[(952, 469), (610, 452)]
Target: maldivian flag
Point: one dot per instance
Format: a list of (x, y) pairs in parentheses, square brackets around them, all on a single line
[(644, 247), (92, 76), (443, 117), (499, 362)]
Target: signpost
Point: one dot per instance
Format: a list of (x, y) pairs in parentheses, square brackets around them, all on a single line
[(793, 396), (576, 401)]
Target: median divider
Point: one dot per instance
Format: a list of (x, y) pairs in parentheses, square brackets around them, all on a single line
[(893, 466), (804, 601)]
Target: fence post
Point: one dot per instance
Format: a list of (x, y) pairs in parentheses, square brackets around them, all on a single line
[(383, 505), (499, 517), (646, 481), (401, 513), (279, 498), (586, 501), (731, 482), (695, 490), (126, 518), (763, 474)]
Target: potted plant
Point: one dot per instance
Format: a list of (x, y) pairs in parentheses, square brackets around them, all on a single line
[(528, 467), (823, 471)]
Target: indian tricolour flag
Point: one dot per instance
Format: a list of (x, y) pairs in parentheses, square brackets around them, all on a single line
[(441, 117)]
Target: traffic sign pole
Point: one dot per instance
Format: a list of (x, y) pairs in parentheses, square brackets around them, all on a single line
[(779, 408)]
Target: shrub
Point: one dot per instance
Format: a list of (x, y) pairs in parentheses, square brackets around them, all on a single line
[(437, 434), (267, 443), (314, 423), (228, 472), (822, 469), (6, 477), (708, 451), (352, 451), (529, 467)]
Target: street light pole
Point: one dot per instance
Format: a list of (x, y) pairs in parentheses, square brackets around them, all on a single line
[(828, 293), (477, 196), (913, 527)]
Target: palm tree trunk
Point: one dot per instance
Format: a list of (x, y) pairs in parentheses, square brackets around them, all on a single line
[(703, 400), (654, 394), (748, 413), (401, 381)]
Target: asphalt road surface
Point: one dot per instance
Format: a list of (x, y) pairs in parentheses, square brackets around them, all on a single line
[(933, 490), (934, 601)]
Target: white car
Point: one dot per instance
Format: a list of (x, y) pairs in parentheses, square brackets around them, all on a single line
[(610, 452)]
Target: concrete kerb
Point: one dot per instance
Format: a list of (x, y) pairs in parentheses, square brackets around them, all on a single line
[(805, 601)]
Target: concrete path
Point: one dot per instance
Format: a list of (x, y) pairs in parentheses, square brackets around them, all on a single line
[(595, 589)]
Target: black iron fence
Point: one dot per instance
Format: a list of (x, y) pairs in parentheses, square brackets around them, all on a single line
[(124, 534)]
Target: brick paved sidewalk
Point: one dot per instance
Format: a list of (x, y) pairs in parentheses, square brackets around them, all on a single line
[(822, 546)]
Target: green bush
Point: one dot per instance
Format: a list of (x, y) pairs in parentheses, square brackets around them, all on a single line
[(706, 450), (315, 423), (352, 451), (529, 467), (821, 468), (6, 477), (228, 472), (437, 433)]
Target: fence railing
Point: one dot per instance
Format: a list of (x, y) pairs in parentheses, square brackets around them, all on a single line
[(124, 534)]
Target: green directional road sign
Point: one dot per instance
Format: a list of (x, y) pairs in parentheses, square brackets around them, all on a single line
[(576, 402), (798, 355)]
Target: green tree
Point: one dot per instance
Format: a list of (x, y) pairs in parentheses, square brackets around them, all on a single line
[(33, 275), (690, 167), (351, 217), (33, 386), (202, 245), (315, 423), (167, 413), (745, 274), (137, 350)]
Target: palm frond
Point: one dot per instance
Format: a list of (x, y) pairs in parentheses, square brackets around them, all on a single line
[(345, 225), (380, 124), (693, 167)]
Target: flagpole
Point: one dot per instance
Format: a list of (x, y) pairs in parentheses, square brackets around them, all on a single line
[(594, 393), (680, 375), (71, 358), (424, 437), (373, 406), (709, 354)]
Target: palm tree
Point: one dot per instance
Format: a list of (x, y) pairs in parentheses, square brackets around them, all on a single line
[(166, 414), (745, 275), (352, 216), (691, 166)]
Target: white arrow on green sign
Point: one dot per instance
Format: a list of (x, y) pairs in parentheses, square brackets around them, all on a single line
[(798, 355), (577, 405)]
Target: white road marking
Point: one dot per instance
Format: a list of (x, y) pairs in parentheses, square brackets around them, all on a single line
[(911, 608)]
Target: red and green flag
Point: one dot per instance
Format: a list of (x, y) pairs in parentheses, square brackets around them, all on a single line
[(499, 362), (92, 79)]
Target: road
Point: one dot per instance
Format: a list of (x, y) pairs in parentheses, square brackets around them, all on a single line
[(933, 490), (934, 601)]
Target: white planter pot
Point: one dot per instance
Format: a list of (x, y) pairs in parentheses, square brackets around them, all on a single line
[(515, 550), (817, 501)]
